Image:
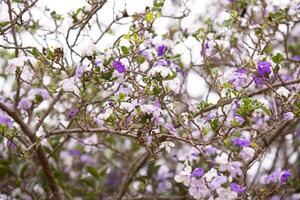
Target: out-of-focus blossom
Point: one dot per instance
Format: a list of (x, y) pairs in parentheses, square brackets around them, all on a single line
[(285, 175), (24, 104), (184, 176), (247, 153), (198, 189), (167, 145), (73, 112), (68, 85), (241, 142), (288, 116), (198, 172), (264, 68), (119, 66), (237, 188), (161, 50), (283, 92), (226, 194), (5, 120)]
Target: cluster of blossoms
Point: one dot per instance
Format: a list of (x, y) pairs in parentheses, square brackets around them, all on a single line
[(122, 122)]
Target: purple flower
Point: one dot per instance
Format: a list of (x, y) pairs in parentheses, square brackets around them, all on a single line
[(296, 58), (264, 68), (239, 119), (98, 62), (237, 188), (73, 113), (241, 142), (259, 82), (272, 177), (120, 67), (79, 71), (285, 175), (288, 116), (238, 79), (218, 181), (210, 150), (5, 120), (39, 92), (170, 128), (161, 50), (75, 152), (198, 172), (24, 104), (11, 144)]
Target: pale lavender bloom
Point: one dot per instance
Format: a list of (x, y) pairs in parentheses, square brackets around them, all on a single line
[(198, 189), (170, 128), (235, 169), (238, 79), (217, 182), (85, 158), (100, 122), (75, 152), (5, 120), (24, 104), (210, 150), (273, 177), (239, 119), (241, 142), (210, 116), (98, 63), (288, 116), (247, 153), (296, 58), (40, 92), (79, 71)]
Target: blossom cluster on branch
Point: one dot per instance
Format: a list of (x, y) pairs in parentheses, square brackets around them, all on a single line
[(90, 112)]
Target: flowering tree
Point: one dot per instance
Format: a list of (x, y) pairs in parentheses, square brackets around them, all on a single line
[(90, 112)]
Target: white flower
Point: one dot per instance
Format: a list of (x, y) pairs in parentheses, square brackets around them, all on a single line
[(127, 106), (88, 50), (283, 91), (247, 153), (163, 71), (173, 84), (16, 62), (184, 176), (106, 115), (212, 173), (167, 145), (151, 109), (68, 85), (226, 194), (198, 189)]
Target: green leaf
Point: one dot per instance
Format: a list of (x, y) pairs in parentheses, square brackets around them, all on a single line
[(278, 58), (124, 50), (35, 52), (149, 17), (3, 24), (107, 75), (6, 171), (141, 59), (92, 171)]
